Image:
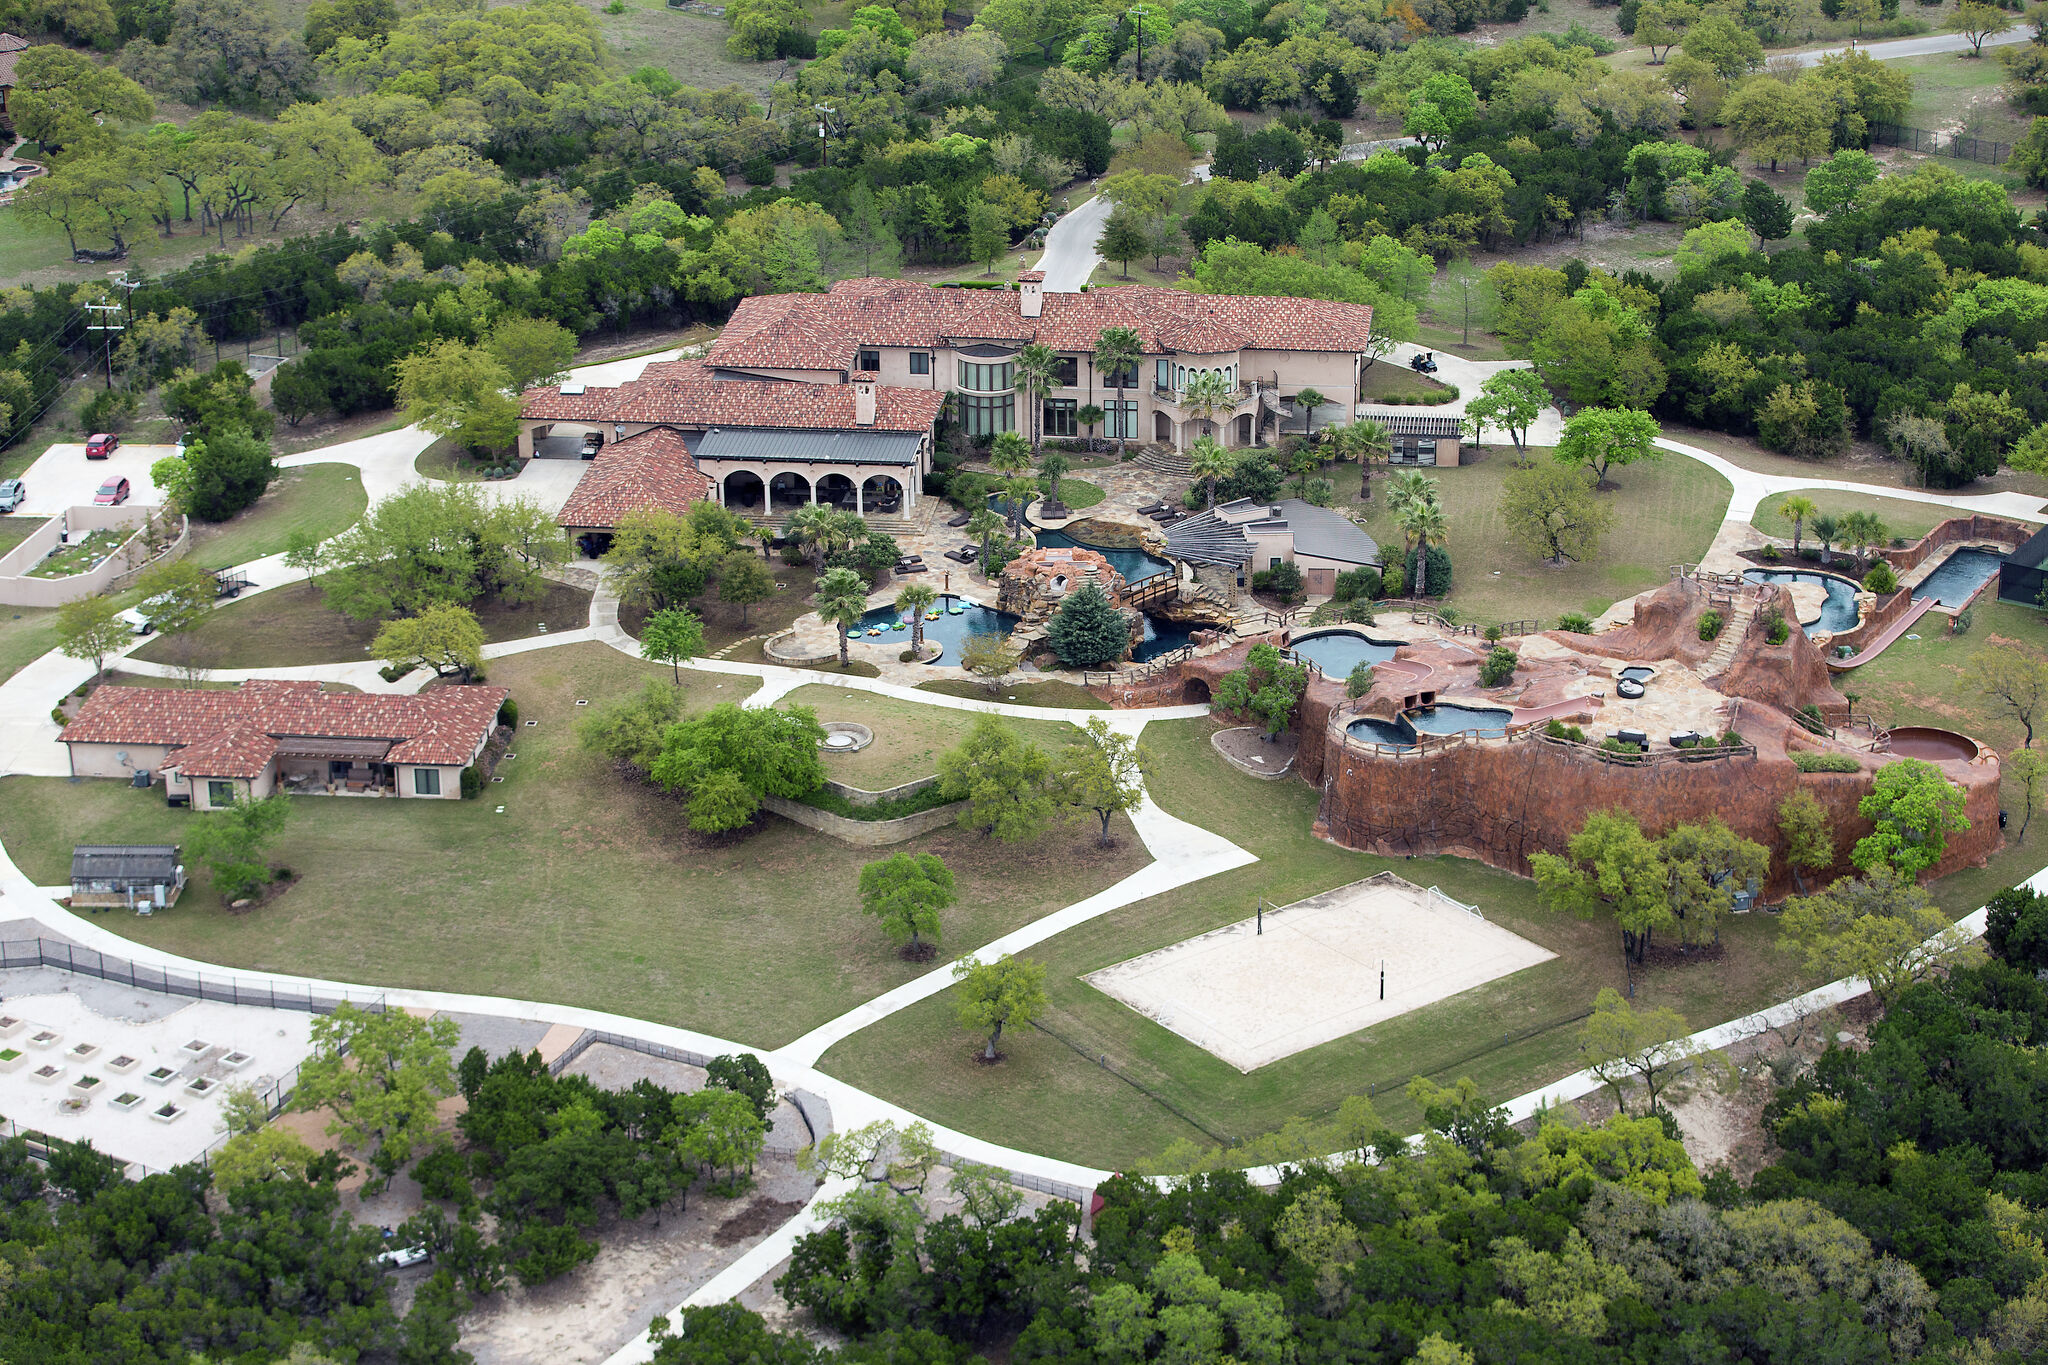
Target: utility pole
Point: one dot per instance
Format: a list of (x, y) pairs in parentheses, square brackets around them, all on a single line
[(824, 111), (102, 324), (121, 281), (1140, 11)]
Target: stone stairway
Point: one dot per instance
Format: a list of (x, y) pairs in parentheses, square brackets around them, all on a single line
[(1735, 625), (1163, 460)]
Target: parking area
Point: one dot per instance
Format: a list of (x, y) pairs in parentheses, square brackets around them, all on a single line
[(64, 478)]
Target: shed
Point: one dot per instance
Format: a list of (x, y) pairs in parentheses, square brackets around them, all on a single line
[(139, 877), (2025, 570), (1428, 439)]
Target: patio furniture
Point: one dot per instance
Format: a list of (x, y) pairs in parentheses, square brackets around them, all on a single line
[(962, 519), (913, 568)]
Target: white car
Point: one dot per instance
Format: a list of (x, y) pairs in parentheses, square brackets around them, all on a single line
[(401, 1258)]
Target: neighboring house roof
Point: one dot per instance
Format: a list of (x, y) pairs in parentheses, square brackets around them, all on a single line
[(825, 447), (1399, 422), (683, 393), (11, 49), (1208, 539), (652, 469), (1326, 534), (816, 331), (235, 733), (138, 863), (2033, 554)]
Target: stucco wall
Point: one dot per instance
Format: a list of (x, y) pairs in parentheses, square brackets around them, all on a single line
[(17, 589), (104, 760), (864, 833)]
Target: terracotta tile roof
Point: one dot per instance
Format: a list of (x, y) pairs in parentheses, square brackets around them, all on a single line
[(652, 469), (682, 393), (11, 49), (786, 331), (221, 733)]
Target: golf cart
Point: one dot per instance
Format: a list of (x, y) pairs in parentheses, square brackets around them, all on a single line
[(1425, 363)]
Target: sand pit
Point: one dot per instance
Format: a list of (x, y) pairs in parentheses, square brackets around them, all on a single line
[(1314, 974)]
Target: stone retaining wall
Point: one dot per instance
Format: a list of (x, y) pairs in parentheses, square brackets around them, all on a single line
[(860, 796), (1955, 531), (1875, 619), (865, 833), (777, 651)]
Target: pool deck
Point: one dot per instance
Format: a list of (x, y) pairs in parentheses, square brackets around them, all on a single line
[(1921, 606)]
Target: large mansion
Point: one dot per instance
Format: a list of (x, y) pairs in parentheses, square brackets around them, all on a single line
[(833, 397)]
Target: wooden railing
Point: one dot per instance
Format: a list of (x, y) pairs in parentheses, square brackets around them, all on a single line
[(1158, 588), (1638, 759), (1129, 674), (1524, 627)]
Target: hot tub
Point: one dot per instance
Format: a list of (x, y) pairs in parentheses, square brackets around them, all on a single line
[(1924, 741), (1337, 652)]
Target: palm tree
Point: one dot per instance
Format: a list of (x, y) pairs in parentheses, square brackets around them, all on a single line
[(1862, 531), (1208, 461), (914, 601), (809, 526), (1405, 489), (1309, 400), (842, 602), (983, 526), (844, 529), (1827, 530), (1052, 467), (1424, 521), (1117, 349), (765, 533), (1206, 391), (1037, 374), (1089, 415), (1010, 455), (1797, 509), (1369, 444)]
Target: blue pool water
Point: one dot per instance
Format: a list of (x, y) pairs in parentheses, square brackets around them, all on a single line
[(1337, 652), (1135, 565), (1161, 637), (1958, 577), (1837, 613), (1441, 719), (940, 626)]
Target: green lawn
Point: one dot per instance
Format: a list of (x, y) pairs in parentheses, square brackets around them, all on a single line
[(1079, 493), (588, 890), (1925, 682), (1957, 91), (723, 625), (908, 737), (1393, 379), (16, 529), (79, 555), (322, 500), (26, 634), (1064, 696), (1665, 512), (1909, 519), (1048, 1097), (292, 625)]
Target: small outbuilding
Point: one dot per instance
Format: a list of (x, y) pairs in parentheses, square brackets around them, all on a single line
[(2024, 572), (139, 877)]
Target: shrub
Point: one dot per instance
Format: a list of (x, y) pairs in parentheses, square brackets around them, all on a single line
[(1882, 579), (1360, 681), (393, 672), (1499, 667), (1359, 613), (1963, 621), (1769, 554), (1493, 634), (1775, 629), (1710, 625), (1283, 582), (1813, 761), (1354, 584), (508, 712), (758, 170), (1439, 584), (57, 714), (1577, 622), (1614, 746), (472, 782), (444, 1174), (1557, 729), (1393, 582)]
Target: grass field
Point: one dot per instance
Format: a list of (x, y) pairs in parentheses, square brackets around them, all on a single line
[(794, 584), (16, 529), (321, 499), (293, 625), (1959, 93), (1055, 1096), (1925, 682), (908, 737), (1909, 519), (588, 890), (1665, 513), (1391, 379), (26, 634)]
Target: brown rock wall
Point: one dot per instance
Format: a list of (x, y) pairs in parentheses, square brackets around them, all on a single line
[(1954, 531)]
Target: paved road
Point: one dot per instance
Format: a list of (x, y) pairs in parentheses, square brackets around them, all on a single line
[(1933, 45), (1070, 257)]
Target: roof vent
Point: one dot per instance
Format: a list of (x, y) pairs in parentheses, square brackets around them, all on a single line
[(571, 387)]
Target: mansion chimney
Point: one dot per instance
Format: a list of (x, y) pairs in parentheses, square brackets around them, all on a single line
[(864, 399), (1031, 293)]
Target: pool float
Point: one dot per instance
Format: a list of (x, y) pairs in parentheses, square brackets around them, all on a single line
[(874, 630), (956, 611), (900, 625)]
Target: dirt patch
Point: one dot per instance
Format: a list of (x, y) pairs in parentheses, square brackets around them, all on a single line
[(757, 1219), (1249, 749)]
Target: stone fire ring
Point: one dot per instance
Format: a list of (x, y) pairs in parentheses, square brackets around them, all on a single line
[(845, 737)]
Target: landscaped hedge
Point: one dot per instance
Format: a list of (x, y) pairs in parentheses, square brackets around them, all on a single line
[(825, 799), (1813, 761)]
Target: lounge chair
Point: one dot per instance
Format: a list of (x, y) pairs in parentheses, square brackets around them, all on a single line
[(962, 519)]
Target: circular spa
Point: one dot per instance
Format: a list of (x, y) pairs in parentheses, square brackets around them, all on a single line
[(1837, 613), (1337, 652), (951, 623), (1445, 718), (1924, 741)]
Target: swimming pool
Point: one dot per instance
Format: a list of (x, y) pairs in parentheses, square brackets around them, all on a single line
[(1956, 579), (1337, 652), (1444, 718), (1837, 613), (1135, 565), (1161, 637), (941, 626)]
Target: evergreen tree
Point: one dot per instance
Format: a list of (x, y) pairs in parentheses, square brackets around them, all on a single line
[(1087, 631)]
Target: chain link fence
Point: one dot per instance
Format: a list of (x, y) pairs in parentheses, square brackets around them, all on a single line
[(1956, 145)]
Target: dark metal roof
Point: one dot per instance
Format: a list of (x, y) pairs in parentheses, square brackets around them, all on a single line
[(139, 863), (2032, 554), (1326, 534), (816, 447)]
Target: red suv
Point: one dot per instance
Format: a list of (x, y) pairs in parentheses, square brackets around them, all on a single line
[(112, 493), (100, 445)]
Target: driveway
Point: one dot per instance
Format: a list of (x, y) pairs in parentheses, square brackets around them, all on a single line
[(63, 478), (1070, 257), (1933, 45)]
